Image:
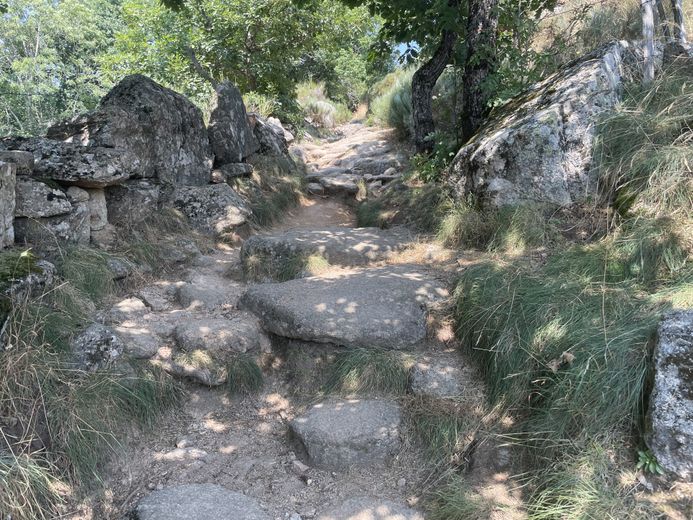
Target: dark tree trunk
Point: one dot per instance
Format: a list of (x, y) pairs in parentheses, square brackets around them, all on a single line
[(422, 84), (482, 32), (422, 91)]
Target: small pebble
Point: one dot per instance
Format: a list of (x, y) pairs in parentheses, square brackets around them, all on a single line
[(182, 443), (299, 467), (401, 483)]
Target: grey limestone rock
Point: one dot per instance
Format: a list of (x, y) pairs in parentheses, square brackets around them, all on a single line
[(671, 403), (343, 433), (198, 502)]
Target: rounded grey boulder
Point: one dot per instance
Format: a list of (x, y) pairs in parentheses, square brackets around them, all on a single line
[(198, 502), (344, 433)]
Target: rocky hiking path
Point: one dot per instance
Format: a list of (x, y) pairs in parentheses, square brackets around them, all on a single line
[(289, 451)]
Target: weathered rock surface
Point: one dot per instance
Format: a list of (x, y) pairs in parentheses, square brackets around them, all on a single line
[(140, 341), (35, 199), (272, 142), (222, 337), (232, 171), (133, 201), (23, 160), (198, 502), (671, 402), (73, 164), (53, 232), (371, 308), (278, 127), (539, 147), (230, 134), (8, 179), (98, 212), (127, 309), (338, 245), (209, 292), (344, 433), (441, 375), (215, 208), (161, 133), (368, 508), (97, 347)]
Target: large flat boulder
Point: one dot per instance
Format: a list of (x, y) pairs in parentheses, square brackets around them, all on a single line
[(671, 403), (338, 245), (198, 502), (538, 148), (52, 233), (370, 508), (161, 132), (8, 179), (344, 433), (71, 163), (372, 308), (230, 134)]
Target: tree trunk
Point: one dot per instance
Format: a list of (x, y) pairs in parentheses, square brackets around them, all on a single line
[(482, 31), (422, 84), (648, 42), (679, 28), (662, 20)]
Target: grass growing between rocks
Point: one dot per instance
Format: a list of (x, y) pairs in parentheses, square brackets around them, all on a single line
[(273, 188), (369, 371), (244, 376), (60, 424), (283, 268)]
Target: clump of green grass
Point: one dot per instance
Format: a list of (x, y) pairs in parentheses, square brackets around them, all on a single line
[(260, 266), (76, 417), (446, 429), (273, 189), (644, 148), (457, 500), (28, 488), (369, 371), (87, 270), (586, 485), (244, 375)]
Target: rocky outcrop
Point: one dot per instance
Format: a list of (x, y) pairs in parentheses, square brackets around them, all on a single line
[(23, 160), (159, 133), (74, 164), (230, 134), (50, 233), (198, 502), (215, 208), (8, 179), (340, 434), (132, 201), (34, 199), (671, 403), (538, 148), (271, 141)]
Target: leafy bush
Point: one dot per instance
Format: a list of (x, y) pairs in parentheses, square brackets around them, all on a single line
[(390, 101), (318, 109)]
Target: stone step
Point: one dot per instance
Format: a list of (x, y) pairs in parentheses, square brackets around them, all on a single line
[(338, 434), (383, 307), (340, 246), (369, 508), (198, 502)]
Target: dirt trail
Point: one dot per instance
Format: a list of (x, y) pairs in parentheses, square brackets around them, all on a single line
[(243, 443)]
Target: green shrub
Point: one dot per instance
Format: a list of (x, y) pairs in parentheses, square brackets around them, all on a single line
[(321, 111), (390, 103), (244, 376)]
